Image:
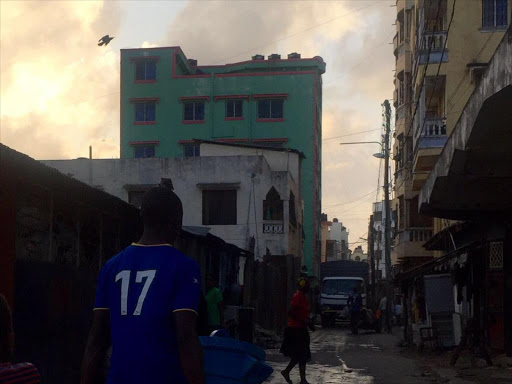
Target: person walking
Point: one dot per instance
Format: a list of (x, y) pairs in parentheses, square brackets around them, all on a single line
[(12, 373), (355, 303), (147, 300), (215, 304), (296, 336)]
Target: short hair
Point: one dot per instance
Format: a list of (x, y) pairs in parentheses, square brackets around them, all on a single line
[(161, 206), (5, 330)]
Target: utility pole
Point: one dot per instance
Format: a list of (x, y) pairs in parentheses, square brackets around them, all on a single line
[(371, 254), (387, 228)]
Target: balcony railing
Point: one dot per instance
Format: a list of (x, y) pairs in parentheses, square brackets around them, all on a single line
[(415, 235), (434, 41), (275, 227), (434, 126)]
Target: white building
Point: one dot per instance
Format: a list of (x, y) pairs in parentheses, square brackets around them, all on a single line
[(334, 241), (379, 225), (248, 196)]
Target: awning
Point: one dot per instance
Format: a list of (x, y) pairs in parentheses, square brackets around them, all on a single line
[(432, 265)]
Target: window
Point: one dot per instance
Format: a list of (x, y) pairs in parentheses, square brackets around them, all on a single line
[(191, 150), (293, 216), (273, 206), (145, 112), (193, 111), (219, 207), (145, 70), (270, 109), (144, 151), (234, 109), (494, 13)]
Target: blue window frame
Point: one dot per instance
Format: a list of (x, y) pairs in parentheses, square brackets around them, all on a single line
[(142, 151), (193, 111), (234, 109), (494, 13), (145, 111), (145, 70), (270, 109)]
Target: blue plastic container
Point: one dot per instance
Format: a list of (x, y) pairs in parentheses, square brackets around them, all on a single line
[(229, 361)]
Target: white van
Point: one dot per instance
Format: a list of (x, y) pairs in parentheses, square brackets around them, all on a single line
[(334, 296)]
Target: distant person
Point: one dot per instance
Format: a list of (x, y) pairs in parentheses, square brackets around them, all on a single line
[(146, 302), (383, 308), (355, 303), (10, 373), (296, 336), (398, 313), (214, 304)]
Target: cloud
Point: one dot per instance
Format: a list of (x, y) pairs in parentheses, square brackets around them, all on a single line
[(223, 32), (57, 86), (60, 91)]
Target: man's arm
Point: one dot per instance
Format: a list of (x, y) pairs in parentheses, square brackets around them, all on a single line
[(189, 348), (96, 349)]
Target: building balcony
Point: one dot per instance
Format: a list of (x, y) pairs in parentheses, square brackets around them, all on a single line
[(402, 118), (409, 243), (403, 61), (433, 43), (432, 133), (403, 183)]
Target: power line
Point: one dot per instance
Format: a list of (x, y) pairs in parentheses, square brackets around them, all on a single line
[(437, 74), (302, 31), (352, 134), (426, 65), (381, 44), (466, 75), (350, 202)]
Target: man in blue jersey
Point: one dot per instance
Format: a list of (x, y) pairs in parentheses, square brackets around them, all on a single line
[(146, 303)]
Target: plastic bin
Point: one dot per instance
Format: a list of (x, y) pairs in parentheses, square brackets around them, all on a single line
[(229, 361)]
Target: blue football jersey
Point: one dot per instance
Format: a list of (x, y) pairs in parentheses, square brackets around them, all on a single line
[(141, 287)]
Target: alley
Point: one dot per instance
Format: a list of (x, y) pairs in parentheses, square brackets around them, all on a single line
[(367, 358)]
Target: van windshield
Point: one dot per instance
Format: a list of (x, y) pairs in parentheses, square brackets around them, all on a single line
[(339, 287)]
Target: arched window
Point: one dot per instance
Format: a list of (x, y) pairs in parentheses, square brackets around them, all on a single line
[(273, 206)]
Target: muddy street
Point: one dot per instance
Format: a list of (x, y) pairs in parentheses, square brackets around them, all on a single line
[(367, 358)]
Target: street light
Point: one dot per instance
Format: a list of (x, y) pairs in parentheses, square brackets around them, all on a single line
[(385, 154)]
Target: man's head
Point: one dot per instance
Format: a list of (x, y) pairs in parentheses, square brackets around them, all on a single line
[(162, 212), (211, 281), (303, 284), (6, 332)]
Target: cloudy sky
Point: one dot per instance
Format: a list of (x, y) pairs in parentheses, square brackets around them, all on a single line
[(60, 91)]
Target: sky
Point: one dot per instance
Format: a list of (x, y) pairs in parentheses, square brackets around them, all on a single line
[(60, 91)]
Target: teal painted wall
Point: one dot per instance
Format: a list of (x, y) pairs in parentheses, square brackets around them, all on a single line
[(301, 80)]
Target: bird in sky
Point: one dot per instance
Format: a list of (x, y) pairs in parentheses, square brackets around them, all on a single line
[(105, 40)]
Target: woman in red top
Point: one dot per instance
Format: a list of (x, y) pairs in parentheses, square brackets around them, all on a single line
[(296, 336)]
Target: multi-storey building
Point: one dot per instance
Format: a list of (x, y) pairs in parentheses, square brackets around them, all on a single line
[(377, 239), (441, 48), (168, 100), (334, 240)]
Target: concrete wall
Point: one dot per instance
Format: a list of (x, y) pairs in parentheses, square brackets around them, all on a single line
[(113, 175)]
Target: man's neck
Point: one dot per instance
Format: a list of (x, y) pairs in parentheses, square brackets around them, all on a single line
[(153, 239)]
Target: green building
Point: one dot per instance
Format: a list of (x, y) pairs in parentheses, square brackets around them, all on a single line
[(168, 100)]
